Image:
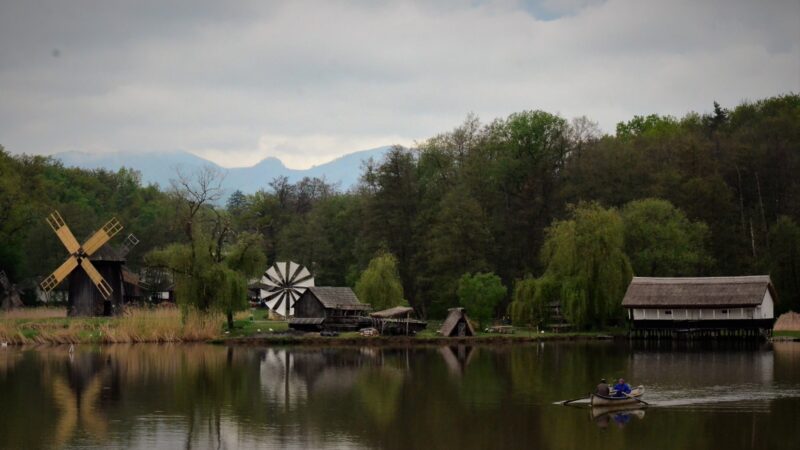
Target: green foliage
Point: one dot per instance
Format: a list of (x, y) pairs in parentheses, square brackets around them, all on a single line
[(643, 125), (585, 256), (478, 198), (532, 298), (480, 294), (784, 263), (379, 284), (662, 242)]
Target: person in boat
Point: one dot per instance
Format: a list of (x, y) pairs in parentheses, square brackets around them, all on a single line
[(602, 388), (621, 388)]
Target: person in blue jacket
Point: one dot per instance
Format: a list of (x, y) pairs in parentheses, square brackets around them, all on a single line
[(621, 388)]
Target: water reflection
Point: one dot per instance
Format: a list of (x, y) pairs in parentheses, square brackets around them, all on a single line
[(197, 396)]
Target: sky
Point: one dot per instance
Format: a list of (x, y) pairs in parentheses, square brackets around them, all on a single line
[(307, 81)]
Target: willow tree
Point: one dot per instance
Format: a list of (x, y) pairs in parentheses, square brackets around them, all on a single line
[(585, 256), (379, 285), (531, 300), (211, 269)]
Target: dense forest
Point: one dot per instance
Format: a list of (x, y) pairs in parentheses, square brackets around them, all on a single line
[(554, 208)]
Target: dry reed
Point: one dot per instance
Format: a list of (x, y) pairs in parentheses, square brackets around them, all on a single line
[(136, 325)]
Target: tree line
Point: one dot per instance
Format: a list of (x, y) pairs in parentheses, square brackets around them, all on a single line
[(553, 208)]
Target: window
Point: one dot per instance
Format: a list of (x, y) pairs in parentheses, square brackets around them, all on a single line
[(667, 312), (724, 311)]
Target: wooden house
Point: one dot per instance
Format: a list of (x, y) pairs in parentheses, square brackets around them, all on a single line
[(329, 308), (701, 303), (457, 324), (397, 320)]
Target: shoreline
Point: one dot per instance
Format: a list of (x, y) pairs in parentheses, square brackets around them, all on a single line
[(379, 341)]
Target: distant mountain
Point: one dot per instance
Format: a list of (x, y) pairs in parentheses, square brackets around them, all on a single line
[(159, 168)]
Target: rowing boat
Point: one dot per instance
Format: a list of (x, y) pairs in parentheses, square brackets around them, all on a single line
[(631, 399)]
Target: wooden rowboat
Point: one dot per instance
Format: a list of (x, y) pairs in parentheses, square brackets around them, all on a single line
[(602, 400)]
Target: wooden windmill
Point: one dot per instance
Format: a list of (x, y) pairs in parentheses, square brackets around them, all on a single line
[(96, 289)]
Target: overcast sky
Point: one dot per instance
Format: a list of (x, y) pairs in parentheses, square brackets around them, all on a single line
[(236, 82)]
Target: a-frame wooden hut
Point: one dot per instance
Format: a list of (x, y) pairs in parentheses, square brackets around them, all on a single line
[(457, 324)]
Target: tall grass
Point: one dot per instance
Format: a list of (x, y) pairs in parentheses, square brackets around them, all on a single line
[(38, 326)]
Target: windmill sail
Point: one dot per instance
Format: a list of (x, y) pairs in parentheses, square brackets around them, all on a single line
[(285, 282)]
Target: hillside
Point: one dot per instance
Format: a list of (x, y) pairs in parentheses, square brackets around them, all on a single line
[(159, 168)]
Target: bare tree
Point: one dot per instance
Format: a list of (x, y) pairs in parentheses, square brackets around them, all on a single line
[(195, 189)]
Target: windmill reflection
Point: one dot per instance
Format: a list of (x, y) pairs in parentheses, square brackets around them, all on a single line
[(77, 395)]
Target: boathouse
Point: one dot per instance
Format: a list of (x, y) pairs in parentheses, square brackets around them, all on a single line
[(329, 308), (732, 303)]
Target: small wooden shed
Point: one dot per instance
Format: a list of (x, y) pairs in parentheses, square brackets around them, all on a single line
[(329, 308), (397, 320), (457, 324), (743, 302)]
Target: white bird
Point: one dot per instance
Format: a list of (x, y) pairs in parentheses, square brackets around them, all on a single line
[(4, 344), (71, 348)]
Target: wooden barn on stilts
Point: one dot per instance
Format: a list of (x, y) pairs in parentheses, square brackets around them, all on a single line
[(742, 305)]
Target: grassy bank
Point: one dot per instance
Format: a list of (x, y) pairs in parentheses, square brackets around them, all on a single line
[(787, 333), (52, 326)]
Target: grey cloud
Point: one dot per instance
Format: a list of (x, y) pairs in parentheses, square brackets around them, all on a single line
[(219, 77)]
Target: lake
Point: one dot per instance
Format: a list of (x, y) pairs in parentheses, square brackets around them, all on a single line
[(710, 396)]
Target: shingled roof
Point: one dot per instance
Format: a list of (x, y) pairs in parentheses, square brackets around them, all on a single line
[(337, 297), (709, 292)]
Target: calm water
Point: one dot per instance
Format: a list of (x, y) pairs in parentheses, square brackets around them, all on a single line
[(209, 397)]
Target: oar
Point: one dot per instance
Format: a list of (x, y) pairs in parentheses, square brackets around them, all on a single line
[(575, 400), (636, 398)]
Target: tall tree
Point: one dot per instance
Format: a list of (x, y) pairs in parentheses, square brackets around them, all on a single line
[(784, 263), (662, 242)]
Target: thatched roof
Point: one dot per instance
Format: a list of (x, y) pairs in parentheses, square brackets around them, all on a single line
[(789, 321), (454, 316), (397, 311), (337, 297), (709, 292)]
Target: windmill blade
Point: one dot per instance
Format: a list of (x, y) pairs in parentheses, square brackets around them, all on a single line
[(281, 298), (56, 277), (298, 274), (272, 295), (98, 280), (63, 232), (303, 278), (109, 230), (292, 268), (283, 270), (130, 242), (271, 277)]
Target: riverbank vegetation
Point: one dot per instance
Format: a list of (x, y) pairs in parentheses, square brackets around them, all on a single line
[(555, 208), (52, 326)]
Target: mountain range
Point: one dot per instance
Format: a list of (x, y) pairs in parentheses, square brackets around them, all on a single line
[(159, 168)]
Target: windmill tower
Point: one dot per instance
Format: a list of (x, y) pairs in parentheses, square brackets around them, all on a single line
[(285, 282), (96, 288)]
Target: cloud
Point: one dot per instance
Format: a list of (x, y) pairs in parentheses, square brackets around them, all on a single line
[(308, 81)]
